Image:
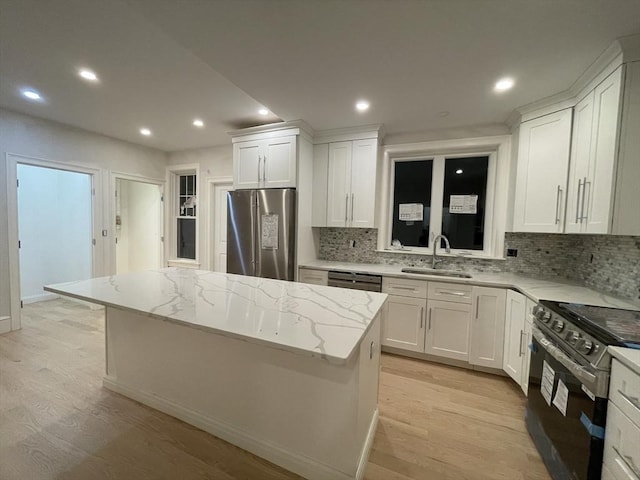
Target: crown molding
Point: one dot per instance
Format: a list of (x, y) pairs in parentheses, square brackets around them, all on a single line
[(350, 133), (294, 127)]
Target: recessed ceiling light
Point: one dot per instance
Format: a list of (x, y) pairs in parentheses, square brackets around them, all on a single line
[(87, 74), (145, 131), (263, 111), (198, 123), (362, 105), (504, 84), (459, 171), (443, 114), (31, 94)]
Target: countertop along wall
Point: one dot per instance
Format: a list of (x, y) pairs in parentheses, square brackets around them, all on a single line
[(604, 262), (32, 137)]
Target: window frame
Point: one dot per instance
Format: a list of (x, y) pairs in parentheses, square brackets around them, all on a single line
[(172, 206), (496, 208)]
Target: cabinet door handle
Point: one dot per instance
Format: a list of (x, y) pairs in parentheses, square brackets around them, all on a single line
[(429, 327), (578, 219), (583, 215), (353, 196), (259, 162), (346, 208), (264, 168), (477, 307), (371, 349), (558, 196), (421, 317), (520, 346)]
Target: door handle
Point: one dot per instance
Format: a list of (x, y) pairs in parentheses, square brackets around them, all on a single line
[(353, 196), (421, 317), (558, 195), (578, 202), (346, 208)]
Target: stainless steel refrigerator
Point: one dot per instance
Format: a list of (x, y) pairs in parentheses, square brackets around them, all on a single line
[(261, 232)]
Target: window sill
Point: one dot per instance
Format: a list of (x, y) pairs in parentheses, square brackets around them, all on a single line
[(182, 263), (409, 251)]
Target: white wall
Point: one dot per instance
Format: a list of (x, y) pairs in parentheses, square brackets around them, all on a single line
[(29, 136), (139, 247), (55, 225), (215, 162)]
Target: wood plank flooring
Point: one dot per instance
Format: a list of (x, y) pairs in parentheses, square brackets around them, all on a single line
[(57, 422)]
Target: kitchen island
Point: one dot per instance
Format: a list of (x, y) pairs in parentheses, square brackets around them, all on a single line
[(285, 370)]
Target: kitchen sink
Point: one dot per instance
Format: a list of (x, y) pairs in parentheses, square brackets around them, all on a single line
[(439, 273)]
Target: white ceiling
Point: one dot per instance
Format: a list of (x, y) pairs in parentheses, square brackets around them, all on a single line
[(163, 62)]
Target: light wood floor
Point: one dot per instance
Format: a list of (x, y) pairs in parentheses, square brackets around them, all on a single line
[(57, 422)]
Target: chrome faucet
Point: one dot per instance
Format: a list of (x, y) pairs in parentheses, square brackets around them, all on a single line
[(435, 245)]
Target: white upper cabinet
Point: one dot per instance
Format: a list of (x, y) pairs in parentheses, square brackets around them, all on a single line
[(351, 190), (339, 186), (542, 169), (593, 158), (267, 162)]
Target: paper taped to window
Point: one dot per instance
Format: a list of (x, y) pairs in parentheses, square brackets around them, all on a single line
[(411, 212), (463, 204)]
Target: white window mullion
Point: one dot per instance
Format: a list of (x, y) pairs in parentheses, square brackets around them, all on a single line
[(437, 193)]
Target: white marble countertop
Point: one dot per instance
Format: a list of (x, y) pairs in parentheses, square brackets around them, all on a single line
[(536, 289), (628, 356), (312, 320)]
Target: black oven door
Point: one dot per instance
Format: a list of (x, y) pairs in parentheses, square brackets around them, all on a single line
[(571, 443)]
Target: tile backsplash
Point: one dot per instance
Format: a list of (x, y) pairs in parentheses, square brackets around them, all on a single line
[(604, 262)]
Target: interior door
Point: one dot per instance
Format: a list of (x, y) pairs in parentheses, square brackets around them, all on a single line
[(219, 247)]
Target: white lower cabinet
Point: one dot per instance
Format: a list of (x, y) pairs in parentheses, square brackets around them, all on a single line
[(448, 325), (517, 336), (404, 323), (487, 327), (622, 439)]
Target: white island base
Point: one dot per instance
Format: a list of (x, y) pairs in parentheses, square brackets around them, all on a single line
[(309, 415)]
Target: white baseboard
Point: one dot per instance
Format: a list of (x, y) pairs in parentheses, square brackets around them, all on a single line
[(304, 466), (5, 324), (41, 297)]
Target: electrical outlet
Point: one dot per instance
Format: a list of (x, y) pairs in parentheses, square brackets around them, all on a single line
[(352, 243), (591, 258), (512, 252)]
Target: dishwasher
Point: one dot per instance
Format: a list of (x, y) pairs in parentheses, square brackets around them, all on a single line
[(355, 281)]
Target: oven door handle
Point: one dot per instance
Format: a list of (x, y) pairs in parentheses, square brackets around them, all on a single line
[(590, 380)]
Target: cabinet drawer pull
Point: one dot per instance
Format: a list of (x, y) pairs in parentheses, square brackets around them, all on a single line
[(635, 401), (628, 460), (448, 292), (399, 287)]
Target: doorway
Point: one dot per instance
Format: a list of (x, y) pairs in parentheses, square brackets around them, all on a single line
[(217, 243), (55, 225), (138, 225)]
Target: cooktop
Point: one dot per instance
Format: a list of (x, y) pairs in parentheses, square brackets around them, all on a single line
[(610, 325)]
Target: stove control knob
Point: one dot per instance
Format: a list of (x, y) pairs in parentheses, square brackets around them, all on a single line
[(535, 310), (572, 337), (558, 325), (586, 347), (545, 316)]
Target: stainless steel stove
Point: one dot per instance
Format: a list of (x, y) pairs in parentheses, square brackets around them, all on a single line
[(569, 383)]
